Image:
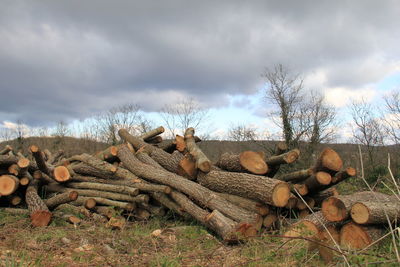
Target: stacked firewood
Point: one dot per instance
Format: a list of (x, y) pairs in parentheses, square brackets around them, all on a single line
[(235, 197)]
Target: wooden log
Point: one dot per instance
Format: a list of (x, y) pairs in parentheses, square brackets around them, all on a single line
[(142, 214), (40, 159), (55, 157), (67, 207), (59, 199), (7, 160), (6, 149), (317, 181), (295, 177), (14, 199), (180, 143), (280, 148), (223, 226), (165, 201), (131, 182), (285, 158), (322, 195), (154, 210), (39, 213), (336, 209), (353, 236), (247, 161), (23, 164), (108, 202), (301, 189), (374, 212), (304, 213), (127, 190), (343, 175), (86, 202), (328, 161), (105, 211), (154, 140), (201, 194), (109, 154), (60, 174), (202, 162), (187, 167), (309, 226), (85, 169), (267, 190), (13, 169), (302, 205), (8, 184), (152, 133), (270, 221), (292, 202), (168, 146), (247, 204), (105, 167)]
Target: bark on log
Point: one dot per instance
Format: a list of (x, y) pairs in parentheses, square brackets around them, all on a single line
[(336, 209), (59, 199), (320, 196), (267, 190), (6, 149), (247, 204), (165, 201), (187, 167), (105, 167), (8, 184), (180, 143), (167, 145), (295, 177), (280, 148), (154, 140), (317, 181), (86, 202), (202, 162), (8, 160), (353, 236), (55, 157), (247, 161), (203, 195), (152, 133), (127, 190), (107, 202), (39, 158), (343, 175), (39, 213), (292, 202), (216, 221), (109, 154), (270, 221), (374, 212), (285, 158), (301, 189), (309, 226), (14, 200), (154, 210)]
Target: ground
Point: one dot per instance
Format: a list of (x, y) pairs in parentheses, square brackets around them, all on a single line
[(157, 242)]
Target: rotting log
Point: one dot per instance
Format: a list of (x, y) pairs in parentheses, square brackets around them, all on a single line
[(246, 161), (201, 194), (267, 190), (202, 162)]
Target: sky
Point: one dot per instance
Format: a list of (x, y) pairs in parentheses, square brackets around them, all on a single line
[(70, 60)]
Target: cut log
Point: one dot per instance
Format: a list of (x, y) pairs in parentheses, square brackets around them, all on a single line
[(285, 158), (187, 167), (106, 187), (336, 209), (103, 201), (55, 157), (152, 133), (270, 221), (7, 160), (304, 213), (292, 202), (248, 161), (343, 175), (302, 189), (374, 212), (280, 148), (317, 181), (109, 154), (142, 214), (295, 177), (202, 162), (13, 169), (309, 226), (328, 161), (61, 174), (39, 158), (216, 221), (154, 210), (105, 167), (59, 199), (180, 143), (154, 140), (201, 194), (247, 204), (8, 184), (165, 201), (267, 190), (353, 236), (39, 213), (301, 205), (14, 200), (322, 195), (5, 150), (105, 211), (168, 146)]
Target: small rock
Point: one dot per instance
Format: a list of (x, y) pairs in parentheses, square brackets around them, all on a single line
[(66, 241)]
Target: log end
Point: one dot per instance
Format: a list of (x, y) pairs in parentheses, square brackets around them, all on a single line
[(281, 194), (205, 166), (73, 195), (334, 210), (23, 163), (323, 178), (303, 228), (301, 188), (8, 185), (262, 209), (34, 148), (359, 213), (331, 160), (253, 162), (61, 174), (180, 143), (353, 236), (292, 156), (40, 218), (90, 203), (292, 202), (24, 181)]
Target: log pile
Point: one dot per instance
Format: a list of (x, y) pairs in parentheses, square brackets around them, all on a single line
[(235, 197)]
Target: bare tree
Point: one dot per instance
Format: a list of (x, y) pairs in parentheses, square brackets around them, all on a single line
[(367, 130), (6, 134), (126, 116), (285, 93), (241, 132), (182, 115), (392, 116)]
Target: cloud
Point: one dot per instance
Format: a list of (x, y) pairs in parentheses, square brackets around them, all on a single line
[(340, 97), (69, 60)]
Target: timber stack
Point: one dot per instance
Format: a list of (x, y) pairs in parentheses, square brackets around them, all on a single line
[(235, 197)]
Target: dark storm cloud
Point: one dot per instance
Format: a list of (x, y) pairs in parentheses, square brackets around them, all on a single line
[(71, 59)]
